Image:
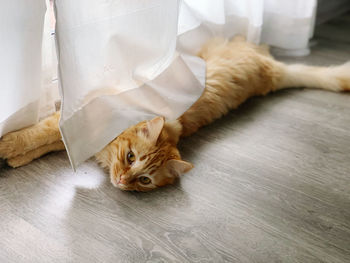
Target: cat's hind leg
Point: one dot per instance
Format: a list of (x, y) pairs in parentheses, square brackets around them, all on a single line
[(28, 139), (334, 78)]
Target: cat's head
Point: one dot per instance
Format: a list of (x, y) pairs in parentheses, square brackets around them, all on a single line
[(145, 156)]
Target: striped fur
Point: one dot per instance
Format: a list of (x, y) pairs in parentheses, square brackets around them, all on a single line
[(155, 152)]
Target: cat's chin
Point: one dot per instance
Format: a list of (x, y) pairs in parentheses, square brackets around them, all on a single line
[(122, 187)]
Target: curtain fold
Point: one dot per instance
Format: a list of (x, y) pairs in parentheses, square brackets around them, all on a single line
[(127, 72), (120, 62)]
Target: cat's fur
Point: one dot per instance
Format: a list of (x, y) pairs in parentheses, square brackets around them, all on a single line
[(236, 70)]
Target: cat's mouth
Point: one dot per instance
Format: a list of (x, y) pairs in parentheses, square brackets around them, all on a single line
[(117, 181)]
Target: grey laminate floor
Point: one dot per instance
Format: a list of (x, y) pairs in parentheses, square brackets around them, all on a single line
[(271, 184)]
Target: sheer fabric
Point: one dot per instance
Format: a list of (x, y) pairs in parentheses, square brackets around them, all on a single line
[(124, 61), (284, 24), (26, 65)]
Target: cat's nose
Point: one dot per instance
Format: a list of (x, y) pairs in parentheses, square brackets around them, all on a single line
[(122, 180)]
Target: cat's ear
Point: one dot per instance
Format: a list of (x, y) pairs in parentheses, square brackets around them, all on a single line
[(153, 129), (178, 167)]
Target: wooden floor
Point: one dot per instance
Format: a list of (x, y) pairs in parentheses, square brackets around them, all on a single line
[(271, 184)]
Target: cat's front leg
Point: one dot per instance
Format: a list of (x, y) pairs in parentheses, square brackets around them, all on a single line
[(26, 158), (23, 141)]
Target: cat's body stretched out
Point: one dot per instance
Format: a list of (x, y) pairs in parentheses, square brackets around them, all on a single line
[(145, 156)]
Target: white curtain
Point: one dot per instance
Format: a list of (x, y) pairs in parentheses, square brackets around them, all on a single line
[(284, 24), (124, 61), (27, 70)]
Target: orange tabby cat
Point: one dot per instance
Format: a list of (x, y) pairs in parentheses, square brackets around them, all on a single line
[(145, 156)]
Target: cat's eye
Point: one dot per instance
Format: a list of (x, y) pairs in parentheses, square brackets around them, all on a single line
[(130, 157), (144, 180)]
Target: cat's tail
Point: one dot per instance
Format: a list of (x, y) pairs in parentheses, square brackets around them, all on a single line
[(334, 78)]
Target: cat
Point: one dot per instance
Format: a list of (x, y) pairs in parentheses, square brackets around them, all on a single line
[(145, 156)]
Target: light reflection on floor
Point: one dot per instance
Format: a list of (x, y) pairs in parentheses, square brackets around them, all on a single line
[(62, 193)]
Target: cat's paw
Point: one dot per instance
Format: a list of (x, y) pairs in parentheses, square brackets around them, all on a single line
[(343, 75), (11, 145)]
